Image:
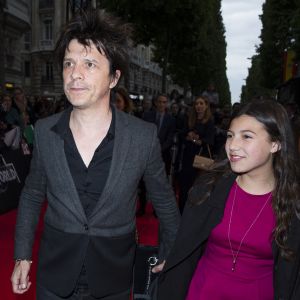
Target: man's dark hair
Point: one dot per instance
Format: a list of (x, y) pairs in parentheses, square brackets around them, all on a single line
[(109, 35), (162, 95)]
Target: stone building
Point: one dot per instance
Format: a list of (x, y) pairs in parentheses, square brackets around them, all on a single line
[(33, 35), (15, 39)]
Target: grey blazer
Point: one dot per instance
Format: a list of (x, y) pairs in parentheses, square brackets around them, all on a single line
[(136, 155)]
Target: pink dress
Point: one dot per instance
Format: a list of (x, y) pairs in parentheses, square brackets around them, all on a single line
[(252, 279)]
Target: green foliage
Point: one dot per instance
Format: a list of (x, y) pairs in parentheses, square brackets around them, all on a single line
[(188, 37), (254, 87), (280, 32), (295, 29), (276, 37)]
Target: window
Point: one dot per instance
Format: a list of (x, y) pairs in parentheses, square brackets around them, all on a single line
[(27, 68), (48, 76), (46, 4), (80, 4), (27, 40), (48, 33)]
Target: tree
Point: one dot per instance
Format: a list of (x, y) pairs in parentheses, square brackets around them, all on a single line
[(276, 37), (188, 38), (280, 32), (295, 30), (253, 87)]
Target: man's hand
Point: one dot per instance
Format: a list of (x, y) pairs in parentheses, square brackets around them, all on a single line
[(20, 277), (159, 267)]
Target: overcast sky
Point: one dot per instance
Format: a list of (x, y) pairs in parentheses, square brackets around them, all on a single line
[(243, 26)]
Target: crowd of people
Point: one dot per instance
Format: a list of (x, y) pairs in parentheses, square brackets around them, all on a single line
[(239, 227), (18, 114)]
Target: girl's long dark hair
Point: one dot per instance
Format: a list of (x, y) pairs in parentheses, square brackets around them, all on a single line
[(285, 165)]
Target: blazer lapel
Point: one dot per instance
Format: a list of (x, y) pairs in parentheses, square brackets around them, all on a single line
[(121, 146), (198, 222), (64, 175)]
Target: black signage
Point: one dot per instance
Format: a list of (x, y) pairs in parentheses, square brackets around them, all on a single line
[(14, 167)]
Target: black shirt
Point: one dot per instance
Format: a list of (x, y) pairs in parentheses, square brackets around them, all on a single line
[(89, 181)]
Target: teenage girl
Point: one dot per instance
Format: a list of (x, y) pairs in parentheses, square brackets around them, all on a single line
[(240, 232)]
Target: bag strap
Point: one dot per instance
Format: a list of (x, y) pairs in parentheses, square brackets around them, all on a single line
[(209, 152), (200, 150), (208, 149)]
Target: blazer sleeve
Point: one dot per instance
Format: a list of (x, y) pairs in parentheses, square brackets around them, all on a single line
[(161, 194), (31, 200)]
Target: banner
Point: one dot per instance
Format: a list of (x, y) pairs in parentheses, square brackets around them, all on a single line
[(14, 167)]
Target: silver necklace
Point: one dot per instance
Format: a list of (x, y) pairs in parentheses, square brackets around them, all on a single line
[(235, 254)]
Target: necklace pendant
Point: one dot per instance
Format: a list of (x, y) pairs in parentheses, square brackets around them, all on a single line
[(233, 265)]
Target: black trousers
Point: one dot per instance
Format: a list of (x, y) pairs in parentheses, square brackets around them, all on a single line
[(81, 292)]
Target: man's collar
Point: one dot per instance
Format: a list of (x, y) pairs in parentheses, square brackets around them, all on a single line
[(62, 126)]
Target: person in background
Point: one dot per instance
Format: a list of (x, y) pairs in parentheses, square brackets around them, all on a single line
[(28, 132), (292, 110), (82, 164), (240, 232), (3, 124), (146, 107), (12, 116), (180, 119), (166, 128), (198, 137), (19, 100), (181, 124), (123, 101), (212, 95), (20, 103), (31, 103)]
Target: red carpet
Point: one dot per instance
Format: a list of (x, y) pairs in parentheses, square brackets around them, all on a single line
[(147, 227)]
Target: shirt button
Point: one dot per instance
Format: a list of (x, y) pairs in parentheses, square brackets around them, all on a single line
[(86, 227)]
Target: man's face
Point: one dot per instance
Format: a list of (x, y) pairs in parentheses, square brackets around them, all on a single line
[(175, 109), (161, 104), (86, 75), (147, 105), (6, 103), (19, 95)]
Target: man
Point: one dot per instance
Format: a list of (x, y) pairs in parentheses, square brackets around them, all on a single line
[(147, 105), (12, 116), (88, 160), (166, 129), (166, 126), (212, 95)]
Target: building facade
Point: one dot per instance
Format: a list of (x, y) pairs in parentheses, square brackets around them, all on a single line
[(16, 27), (31, 36)]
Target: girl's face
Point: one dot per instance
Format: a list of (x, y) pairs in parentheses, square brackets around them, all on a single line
[(248, 147), (200, 106)]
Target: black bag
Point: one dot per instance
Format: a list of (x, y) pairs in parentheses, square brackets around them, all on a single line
[(146, 259)]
